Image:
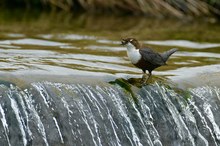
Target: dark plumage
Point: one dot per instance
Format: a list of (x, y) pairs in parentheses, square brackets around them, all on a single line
[(149, 59)]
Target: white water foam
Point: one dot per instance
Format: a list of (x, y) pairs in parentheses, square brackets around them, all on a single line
[(123, 113), (180, 124), (209, 114), (5, 125), (42, 93), (92, 118), (41, 129), (58, 129), (203, 120), (15, 108), (110, 118)]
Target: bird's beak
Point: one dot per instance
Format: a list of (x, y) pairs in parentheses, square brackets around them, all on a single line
[(123, 42)]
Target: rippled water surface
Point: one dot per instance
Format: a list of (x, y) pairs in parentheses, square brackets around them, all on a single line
[(61, 44)]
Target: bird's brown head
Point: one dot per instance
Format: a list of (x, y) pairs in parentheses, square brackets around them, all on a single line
[(133, 41)]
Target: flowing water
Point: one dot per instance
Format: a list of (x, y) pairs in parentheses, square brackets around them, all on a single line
[(65, 80)]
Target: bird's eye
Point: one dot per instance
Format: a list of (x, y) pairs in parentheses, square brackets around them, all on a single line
[(131, 40)]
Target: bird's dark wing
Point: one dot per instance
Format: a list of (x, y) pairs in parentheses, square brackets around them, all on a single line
[(151, 56)]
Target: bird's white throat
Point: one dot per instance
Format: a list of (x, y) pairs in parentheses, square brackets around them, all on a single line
[(133, 53)]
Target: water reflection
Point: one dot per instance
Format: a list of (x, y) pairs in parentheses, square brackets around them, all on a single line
[(78, 47), (36, 55), (184, 43), (67, 37), (30, 41), (198, 54)]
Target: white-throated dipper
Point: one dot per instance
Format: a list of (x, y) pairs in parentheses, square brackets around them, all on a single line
[(145, 58)]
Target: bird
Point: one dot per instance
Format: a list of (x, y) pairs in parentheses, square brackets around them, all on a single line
[(145, 58)]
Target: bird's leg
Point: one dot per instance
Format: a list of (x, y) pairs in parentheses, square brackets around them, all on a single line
[(148, 77), (145, 78)]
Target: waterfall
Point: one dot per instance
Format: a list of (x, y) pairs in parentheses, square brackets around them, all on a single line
[(51, 113)]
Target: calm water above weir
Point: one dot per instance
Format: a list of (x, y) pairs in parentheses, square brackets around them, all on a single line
[(64, 44), (55, 69)]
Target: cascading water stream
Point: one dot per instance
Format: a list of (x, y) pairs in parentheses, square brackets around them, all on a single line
[(50, 113)]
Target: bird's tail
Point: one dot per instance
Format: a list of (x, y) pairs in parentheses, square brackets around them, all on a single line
[(167, 54)]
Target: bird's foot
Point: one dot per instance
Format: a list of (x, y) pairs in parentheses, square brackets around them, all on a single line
[(145, 79)]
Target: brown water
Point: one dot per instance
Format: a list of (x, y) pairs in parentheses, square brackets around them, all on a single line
[(84, 45)]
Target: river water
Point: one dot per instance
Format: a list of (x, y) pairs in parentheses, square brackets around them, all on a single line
[(65, 80)]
